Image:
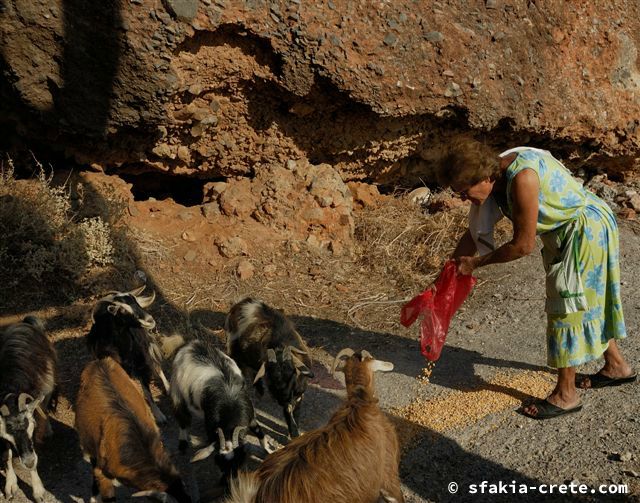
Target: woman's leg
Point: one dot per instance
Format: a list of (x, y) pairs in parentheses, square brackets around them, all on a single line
[(564, 395)]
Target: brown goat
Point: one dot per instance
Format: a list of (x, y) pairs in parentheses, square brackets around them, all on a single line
[(353, 458), (120, 437)]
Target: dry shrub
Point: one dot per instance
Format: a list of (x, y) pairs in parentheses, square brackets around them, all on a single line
[(403, 242), (42, 241), (399, 240)]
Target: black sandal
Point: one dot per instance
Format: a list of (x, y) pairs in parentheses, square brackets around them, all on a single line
[(600, 380), (546, 410)]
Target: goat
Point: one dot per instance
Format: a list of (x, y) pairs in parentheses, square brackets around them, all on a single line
[(208, 384), (262, 340), (121, 330), (27, 385), (120, 438), (354, 457)]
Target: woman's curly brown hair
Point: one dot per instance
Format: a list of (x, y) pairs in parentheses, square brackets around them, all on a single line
[(465, 162)]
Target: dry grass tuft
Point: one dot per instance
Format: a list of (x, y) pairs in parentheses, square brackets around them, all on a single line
[(400, 241)]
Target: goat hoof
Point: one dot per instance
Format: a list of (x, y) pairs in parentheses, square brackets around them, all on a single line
[(10, 490), (161, 418)]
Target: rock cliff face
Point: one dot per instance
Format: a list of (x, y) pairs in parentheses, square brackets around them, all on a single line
[(213, 89)]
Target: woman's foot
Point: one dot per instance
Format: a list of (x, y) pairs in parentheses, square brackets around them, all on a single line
[(615, 367), (563, 400), (607, 377), (564, 397)]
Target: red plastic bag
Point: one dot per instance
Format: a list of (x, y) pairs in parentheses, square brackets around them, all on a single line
[(436, 306)]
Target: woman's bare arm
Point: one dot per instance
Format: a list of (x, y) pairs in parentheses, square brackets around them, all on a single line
[(525, 189)]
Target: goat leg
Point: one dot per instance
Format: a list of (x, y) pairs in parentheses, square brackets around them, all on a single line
[(163, 378), (157, 413), (36, 485), (290, 416), (102, 488), (259, 387), (11, 482), (44, 429), (183, 416), (256, 429)]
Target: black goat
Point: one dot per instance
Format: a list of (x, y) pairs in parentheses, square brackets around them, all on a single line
[(208, 384), (263, 341), (121, 330), (27, 386)]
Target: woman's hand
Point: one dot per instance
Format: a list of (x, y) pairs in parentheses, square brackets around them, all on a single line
[(466, 265)]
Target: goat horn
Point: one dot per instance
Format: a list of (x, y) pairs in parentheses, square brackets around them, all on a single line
[(143, 494), (203, 453), (298, 350), (260, 373), (158, 495), (146, 301), (365, 354), (22, 401), (137, 291), (221, 438), (346, 352), (297, 362), (236, 435)]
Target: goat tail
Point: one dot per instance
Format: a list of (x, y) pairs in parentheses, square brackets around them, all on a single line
[(170, 344), (244, 488)]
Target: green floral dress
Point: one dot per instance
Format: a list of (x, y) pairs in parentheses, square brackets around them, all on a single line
[(581, 258)]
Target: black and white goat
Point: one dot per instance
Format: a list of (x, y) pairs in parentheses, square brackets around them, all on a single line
[(264, 342), (121, 330), (27, 388), (120, 438), (208, 384)]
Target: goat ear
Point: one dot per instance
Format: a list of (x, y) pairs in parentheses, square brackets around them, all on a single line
[(4, 410), (271, 356), (380, 366), (261, 372), (203, 453), (24, 402), (114, 309)]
